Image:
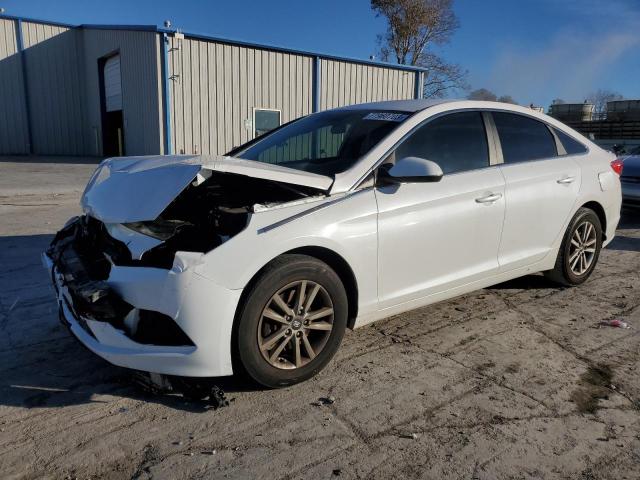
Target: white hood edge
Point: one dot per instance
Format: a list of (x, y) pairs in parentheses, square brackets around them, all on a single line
[(136, 189)]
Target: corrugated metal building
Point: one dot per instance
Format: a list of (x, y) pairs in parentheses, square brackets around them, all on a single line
[(141, 90)]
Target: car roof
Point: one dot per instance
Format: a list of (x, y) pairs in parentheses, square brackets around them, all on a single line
[(414, 105)]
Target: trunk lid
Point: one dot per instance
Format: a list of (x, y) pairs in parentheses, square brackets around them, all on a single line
[(136, 189)]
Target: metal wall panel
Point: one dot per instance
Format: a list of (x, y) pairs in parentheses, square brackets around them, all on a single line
[(141, 87), (8, 44), (216, 86), (344, 83), (55, 89), (13, 114), (35, 33)]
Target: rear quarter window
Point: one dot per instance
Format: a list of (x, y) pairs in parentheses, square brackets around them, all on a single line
[(523, 139), (571, 146)]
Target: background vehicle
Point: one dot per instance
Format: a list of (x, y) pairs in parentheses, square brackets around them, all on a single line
[(630, 178), (202, 266)]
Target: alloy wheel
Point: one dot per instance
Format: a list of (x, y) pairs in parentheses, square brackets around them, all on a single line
[(582, 249), (295, 324)]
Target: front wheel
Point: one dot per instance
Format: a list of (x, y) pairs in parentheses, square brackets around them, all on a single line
[(292, 321), (580, 249)]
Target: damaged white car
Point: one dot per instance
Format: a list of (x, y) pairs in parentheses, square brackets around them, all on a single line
[(257, 262)]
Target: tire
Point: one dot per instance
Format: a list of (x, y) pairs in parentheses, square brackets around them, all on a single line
[(566, 271), (255, 332)]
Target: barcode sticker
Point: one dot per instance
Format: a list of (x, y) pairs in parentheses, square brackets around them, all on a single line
[(386, 116)]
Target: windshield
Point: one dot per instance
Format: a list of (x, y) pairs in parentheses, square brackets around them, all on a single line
[(326, 143)]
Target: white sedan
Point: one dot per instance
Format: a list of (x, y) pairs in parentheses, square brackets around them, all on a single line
[(257, 262)]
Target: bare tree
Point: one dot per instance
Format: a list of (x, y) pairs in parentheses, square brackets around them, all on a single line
[(507, 99), (482, 94), (600, 97), (414, 27)]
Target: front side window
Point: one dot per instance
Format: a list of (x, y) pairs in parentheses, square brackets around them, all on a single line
[(327, 142), (457, 142), (523, 139)]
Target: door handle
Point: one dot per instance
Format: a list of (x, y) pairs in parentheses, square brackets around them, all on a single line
[(494, 197), (566, 180)]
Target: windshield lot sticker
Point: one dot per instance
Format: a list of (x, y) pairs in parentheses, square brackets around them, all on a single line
[(386, 116)]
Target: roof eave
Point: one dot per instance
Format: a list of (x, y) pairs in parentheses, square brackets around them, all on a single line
[(227, 41)]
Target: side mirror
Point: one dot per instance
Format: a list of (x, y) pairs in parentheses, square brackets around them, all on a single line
[(411, 170)]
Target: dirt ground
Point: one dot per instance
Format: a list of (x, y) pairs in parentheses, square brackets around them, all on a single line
[(514, 381)]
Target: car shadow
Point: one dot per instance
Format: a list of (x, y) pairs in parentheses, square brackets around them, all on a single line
[(629, 220), (535, 281)]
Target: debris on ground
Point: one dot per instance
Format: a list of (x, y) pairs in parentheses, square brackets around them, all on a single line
[(411, 436), (217, 398), (616, 323), (153, 383), (191, 389)]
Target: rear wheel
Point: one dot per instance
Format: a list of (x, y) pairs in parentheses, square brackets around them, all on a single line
[(292, 322), (580, 249)]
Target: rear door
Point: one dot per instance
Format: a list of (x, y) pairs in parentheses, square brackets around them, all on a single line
[(541, 187)]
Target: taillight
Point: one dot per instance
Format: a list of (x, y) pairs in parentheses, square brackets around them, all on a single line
[(617, 166)]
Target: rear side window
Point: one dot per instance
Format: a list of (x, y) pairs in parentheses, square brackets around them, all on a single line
[(457, 142), (571, 146), (523, 139)]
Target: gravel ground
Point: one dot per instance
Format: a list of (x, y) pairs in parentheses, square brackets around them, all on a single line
[(514, 381)]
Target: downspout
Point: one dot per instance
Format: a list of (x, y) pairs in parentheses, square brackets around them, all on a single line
[(166, 95), (25, 84), (315, 101), (315, 82), (418, 85)]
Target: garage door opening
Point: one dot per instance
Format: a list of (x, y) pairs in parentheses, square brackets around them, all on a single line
[(111, 106)]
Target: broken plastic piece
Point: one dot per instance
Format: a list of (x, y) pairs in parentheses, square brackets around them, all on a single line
[(616, 323)]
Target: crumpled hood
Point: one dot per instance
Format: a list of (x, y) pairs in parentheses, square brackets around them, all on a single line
[(136, 189)]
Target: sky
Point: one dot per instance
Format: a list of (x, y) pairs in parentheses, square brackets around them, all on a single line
[(533, 50)]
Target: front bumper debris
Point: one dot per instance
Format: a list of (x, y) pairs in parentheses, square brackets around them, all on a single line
[(139, 317)]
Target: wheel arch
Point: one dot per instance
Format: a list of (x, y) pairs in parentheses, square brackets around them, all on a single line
[(602, 216), (336, 261), (342, 269)]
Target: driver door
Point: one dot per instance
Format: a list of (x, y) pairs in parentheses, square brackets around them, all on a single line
[(437, 236)]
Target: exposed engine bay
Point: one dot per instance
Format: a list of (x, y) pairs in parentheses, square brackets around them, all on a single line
[(206, 215), (203, 216)]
